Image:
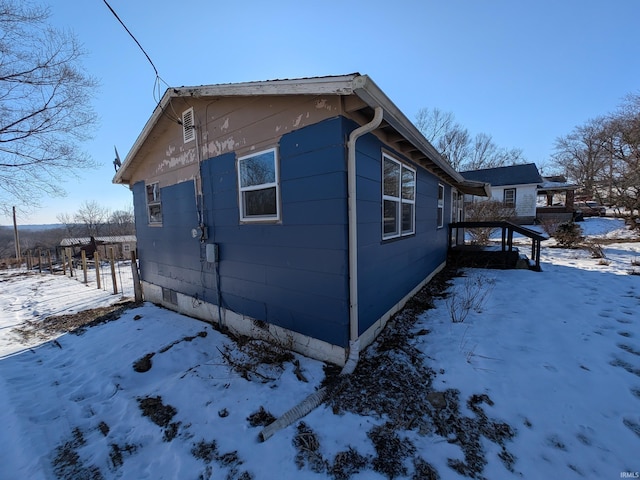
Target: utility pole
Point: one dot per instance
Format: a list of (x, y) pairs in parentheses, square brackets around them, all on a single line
[(16, 237)]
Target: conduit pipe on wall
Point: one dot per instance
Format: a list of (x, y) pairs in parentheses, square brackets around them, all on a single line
[(316, 398)]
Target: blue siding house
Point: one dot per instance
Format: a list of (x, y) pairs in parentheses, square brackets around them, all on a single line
[(307, 211)]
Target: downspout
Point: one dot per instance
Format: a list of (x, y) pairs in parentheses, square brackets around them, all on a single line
[(354, 343), (316, 398)]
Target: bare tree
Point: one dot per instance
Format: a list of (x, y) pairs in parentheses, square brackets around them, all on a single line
[(622, 133), (45, 109), (582, 153), (121, 222), (68, 224), (92, 217), (434, 123), (455, 144), (455, 147), (486, 154)]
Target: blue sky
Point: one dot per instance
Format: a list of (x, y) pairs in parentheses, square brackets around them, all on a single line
[(523, 72)]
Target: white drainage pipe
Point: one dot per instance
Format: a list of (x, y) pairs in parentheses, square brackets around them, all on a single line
[(312, 401)]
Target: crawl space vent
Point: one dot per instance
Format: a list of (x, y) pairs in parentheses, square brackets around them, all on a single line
[(188, 130)]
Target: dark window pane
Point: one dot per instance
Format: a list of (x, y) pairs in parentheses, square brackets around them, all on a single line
[(390, 218), (260, 203), (408, 184), (258, 170), (391, 178), (510, 197), (155, 214), (153, 193), (407, 218)]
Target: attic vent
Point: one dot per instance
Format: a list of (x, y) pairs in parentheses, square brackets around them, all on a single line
[(188, 129)]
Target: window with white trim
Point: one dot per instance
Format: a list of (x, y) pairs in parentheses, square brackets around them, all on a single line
[(509, 197), (398, 198), (440, 206), (154, 203), (258, 186)]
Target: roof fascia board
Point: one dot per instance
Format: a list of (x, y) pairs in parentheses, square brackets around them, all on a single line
[(305, 86), (366, 89), (345, 85)]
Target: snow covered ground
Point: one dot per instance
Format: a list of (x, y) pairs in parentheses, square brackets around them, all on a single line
[(556, 352)]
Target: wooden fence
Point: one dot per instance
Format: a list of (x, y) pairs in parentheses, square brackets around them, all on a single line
[(63, 262)]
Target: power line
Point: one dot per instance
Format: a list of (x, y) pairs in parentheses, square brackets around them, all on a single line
[(131, 34), (158, 78)]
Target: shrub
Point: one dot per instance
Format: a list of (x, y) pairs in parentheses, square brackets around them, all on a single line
[(568, 235), (550, 225), (486, 211), (471, 295), (595, 249)]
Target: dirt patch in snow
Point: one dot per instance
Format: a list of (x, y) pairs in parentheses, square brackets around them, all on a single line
[(393, 382), (208, 453), (76, 323), (67, 463), (161, 415)]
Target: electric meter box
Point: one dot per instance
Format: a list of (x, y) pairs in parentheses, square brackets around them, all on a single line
[(212, 252)]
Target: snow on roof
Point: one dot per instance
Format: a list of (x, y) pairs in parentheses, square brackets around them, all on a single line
[(548, 184)]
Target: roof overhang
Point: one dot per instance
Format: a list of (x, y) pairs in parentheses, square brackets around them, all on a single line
[(556, 187), (401, 132)]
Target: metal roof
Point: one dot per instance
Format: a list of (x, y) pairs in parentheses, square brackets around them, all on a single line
[(68, 242), (405, 136)]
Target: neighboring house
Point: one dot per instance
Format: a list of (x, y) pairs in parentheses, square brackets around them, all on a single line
[(307, 211), (556, 200), (122, 245), (515, 186)]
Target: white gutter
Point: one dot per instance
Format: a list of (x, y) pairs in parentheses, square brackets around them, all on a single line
[(354, 346)]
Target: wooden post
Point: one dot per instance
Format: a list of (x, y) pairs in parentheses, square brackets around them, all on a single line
[(16, 238), (50, 263), (96, 259), (84, 265), (64, 262), (137, 287), (39, 261), (70, 257), (113, 271)]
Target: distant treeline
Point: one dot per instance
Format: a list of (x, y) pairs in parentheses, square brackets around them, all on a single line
[(49, 236)]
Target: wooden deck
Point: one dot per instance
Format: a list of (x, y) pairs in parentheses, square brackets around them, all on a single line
[(505, 255)]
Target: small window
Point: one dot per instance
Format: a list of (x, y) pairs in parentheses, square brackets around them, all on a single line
[(398, 198), (258, 186), (440, 206), (154, 205), (509, 197), (188, 127)]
